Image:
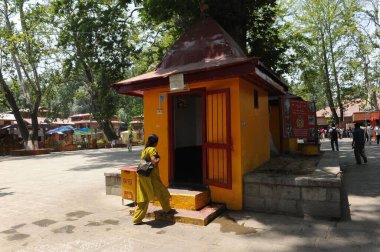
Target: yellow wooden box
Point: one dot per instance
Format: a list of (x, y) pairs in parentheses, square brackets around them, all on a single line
[(129, 183)]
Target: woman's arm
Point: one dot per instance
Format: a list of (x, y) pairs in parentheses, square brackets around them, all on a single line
[(155, 159)]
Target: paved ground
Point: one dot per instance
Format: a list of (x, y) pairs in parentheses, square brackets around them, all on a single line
[(57, 202)]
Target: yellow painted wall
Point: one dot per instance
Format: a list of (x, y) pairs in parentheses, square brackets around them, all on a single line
[(157, 123), (254, 124), (253, 142), (290, 145), (275, 125)]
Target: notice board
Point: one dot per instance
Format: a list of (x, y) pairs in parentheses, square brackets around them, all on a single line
[(299, 119)]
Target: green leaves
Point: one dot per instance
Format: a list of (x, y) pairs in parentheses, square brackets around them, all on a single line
[(79, 48), (325, 32), (98, 33)]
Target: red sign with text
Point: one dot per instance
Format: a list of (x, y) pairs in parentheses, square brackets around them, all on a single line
[(299, 119)]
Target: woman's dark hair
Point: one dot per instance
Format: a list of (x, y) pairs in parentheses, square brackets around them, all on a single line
[(152, 140)]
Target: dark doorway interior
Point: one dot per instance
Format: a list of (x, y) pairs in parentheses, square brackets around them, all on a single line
[(187, 119)]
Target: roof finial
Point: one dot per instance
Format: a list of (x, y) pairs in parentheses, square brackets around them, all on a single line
[(203, 7)]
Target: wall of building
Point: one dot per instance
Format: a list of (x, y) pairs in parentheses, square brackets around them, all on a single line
[(254, 124), (157, 122), (249, 133)]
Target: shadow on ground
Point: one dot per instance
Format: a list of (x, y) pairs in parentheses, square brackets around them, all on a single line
[(3, 194), (101, 160)]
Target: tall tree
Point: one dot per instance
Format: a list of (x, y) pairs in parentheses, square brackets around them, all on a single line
[(325, 27), (367, 69), (25, 50), (95, 34), (367, 41)]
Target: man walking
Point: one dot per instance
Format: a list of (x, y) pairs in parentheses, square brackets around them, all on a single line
[(369, 134), (377, 129), (334, 137), (358, 142)]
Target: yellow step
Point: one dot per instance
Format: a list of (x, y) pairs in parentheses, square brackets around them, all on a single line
[(201, 217), (187, 199)]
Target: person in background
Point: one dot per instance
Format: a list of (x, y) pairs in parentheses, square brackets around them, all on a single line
[(84, 142), (358, 143), (130, 141), (340, 132), (323, 132), (369, 134), (349, 132), (334, 135), (151, 187), (377, 130), (344, 135)]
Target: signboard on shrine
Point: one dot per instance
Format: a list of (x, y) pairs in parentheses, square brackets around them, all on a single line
[(299, 119), (176, 82)]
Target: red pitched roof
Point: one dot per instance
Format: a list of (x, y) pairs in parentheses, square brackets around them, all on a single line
[(205, 52), (207, 43), (350, 107), (80, 115)]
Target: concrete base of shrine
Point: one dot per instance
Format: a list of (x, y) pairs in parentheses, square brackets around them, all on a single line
[(318, 194), (201, 217)]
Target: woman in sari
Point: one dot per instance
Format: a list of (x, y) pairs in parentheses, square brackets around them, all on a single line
[(151, 187)]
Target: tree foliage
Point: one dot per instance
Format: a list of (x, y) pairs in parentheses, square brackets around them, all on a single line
[(23, 52), (65, 54), (332, 55), (251, 23), (96, 38)]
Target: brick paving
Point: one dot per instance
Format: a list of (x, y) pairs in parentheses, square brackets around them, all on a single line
[(57, 202)]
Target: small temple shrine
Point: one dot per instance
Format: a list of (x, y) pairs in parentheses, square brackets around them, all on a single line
[(215, 110)]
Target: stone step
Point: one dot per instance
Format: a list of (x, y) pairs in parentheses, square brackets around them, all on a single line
[(201, 217), (187, 199)]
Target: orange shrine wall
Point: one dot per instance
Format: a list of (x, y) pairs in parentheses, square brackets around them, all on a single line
[(254, 127), (250, 144)]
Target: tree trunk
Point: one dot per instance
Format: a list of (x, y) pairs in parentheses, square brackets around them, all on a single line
[(327, 83), (15, 110), (36, 80), (14, 54), (34, 136), (105, 124), (239, 10), (338, 95), (374, 99), (376, 18), (108, 130)]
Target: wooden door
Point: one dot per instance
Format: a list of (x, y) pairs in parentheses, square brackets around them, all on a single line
[(217, 139)]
